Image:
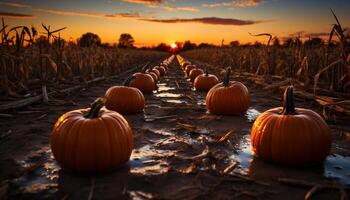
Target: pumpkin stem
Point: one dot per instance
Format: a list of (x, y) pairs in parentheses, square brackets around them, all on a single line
[(128, 80), (95, 108), (288, 101), (227, 77), (145, 67)]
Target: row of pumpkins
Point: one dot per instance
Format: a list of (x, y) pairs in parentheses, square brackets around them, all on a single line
[(99, 138), (284, 135)]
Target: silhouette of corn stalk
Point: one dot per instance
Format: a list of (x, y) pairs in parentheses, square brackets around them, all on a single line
[(339, 69)]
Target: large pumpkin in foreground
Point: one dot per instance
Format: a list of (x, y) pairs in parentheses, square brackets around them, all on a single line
[(124, 99), (91, 140), (291, 136), (228, 98)]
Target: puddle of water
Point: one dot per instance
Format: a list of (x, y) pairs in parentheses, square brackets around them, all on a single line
[(148, 161), (175, 101), (168, 95), (45, 177), (244, 155), (163, 88), (252, 114), (201, 102), (334, 167), (337, 166)]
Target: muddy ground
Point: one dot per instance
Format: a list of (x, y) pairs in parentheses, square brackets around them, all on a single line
[(178, 153)]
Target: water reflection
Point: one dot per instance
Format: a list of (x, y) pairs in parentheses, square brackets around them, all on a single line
[(149, 161), (163, 88), (168, 95), (334, 167), (252, 114), (175, 101)]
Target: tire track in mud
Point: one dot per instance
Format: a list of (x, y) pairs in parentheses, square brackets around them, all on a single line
[(180, 152)]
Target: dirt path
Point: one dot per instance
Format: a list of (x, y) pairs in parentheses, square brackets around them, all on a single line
[(177, 153)]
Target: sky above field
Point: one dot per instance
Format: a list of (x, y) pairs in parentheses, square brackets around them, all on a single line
[(153, 21)]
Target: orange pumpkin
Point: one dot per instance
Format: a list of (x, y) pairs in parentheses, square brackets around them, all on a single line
[(228, 98), (194, 73), (116, 99), (143, 81), (188, 69), (164, 65), (291, 136), (91, 140), (205, 82), (184, 65), (154, 76), (156, 72), (161, 70)]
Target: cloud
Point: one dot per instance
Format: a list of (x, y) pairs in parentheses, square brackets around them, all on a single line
[(15, 5), (206, 20), (123, 15), (163, 5), (147, 2), (184, 8), (236, 3), (86, 14), (15, 15)]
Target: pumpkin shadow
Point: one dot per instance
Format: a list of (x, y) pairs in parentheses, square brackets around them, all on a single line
[(263, 170), (111, 185)]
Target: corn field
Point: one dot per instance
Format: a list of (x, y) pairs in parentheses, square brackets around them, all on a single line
[(30, 62)]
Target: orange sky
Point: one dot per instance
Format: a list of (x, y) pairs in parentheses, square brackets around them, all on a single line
[(151, 22)]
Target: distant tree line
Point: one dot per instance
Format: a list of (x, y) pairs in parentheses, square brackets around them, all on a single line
[(126, 40)]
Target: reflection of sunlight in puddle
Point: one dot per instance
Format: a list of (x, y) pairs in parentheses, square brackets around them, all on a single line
[(252, 114), (168, 94), (44, 177), (165, 88), (175, 101), (243, 155), (147, 160), (335, 166), (201, 102)]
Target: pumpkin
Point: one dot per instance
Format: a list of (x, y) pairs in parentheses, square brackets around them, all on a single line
[(291, 136), (143, 81), (91, 140), (164, 65), (156, 72), (184, 65), (194, 73), (154, 76), (116, 99), (161, 70), (188, 69), (228, 98), (205, 82)]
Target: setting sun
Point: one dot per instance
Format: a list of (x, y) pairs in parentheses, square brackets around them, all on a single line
[(173, 45)]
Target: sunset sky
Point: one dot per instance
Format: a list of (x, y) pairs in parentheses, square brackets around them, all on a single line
[(153, 21)]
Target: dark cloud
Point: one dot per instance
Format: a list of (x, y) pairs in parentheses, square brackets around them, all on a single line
[(145, 1), (15, 15), (123, 15), (206, 20), (15, 5)]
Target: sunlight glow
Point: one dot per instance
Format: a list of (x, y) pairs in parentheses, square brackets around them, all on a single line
[(173, 45)]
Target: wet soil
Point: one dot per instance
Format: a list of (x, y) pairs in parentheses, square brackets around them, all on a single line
[(180, 152)]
